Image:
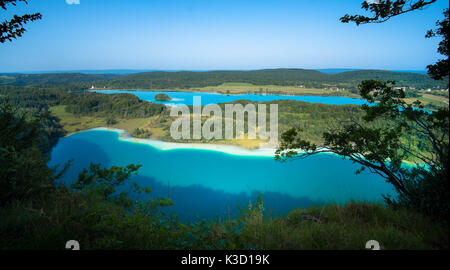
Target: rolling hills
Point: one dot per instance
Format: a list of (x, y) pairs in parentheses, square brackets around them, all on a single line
[(191, 79), (282, 77)]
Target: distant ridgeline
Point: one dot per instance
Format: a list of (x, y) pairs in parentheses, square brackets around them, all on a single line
[(47, 79), (192, 79)]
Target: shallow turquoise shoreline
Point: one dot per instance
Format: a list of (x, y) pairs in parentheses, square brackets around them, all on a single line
[(166, 146), (210, 180), (226, 149), (186, 98)]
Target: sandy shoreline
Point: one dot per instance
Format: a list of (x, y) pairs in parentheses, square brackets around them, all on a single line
[(165, 146), (228, 149)]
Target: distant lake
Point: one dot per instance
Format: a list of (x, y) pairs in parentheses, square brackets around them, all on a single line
[(186, 98), (210, 184)]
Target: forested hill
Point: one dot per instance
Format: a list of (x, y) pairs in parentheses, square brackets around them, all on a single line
[(193, 79), (291, 77), (51, 78)]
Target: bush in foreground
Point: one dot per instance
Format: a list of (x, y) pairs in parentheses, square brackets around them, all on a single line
[(99, 217)]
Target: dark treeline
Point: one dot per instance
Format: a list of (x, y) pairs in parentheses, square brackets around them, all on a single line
[(33, 98), (80, 103), (115, 105), (51, 78), (282, 77), (189, 79)]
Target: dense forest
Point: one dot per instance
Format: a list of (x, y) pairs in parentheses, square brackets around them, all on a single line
[(115, 105), (190, 79), (33, 98), (81, 103), (284, 77), (51, 78)]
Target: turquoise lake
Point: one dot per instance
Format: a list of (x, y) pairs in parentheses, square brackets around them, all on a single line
[(210, 184), (186, 98)]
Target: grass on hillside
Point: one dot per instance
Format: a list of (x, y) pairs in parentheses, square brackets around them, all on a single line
[(73, 123), (158, 127), (442, 99), (246, 88), (429, 99), (99, 225)]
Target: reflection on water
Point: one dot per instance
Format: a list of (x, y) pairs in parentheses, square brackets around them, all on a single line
[(196, 201)]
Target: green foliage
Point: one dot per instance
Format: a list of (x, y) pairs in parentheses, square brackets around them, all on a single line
[(423, 187), (103, 211), (32, 98), (14, 28), (50, 130), (111, 121), (188, 80), (49, 79), (97, 224), (383, 10), (114, 105), (162, 97), (23, 170), (141, 133), (440, 69), (282, 77), (312, 118), (34, 104), (86, 103), (100, 211), (103, 181), (412, 94)]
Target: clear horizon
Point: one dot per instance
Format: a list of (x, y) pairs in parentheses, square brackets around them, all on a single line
[(201, 35), (125, 70)]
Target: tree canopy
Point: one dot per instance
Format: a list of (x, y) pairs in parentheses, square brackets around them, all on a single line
[(439, 70), (423, 187), (14, 27), (383, 10)]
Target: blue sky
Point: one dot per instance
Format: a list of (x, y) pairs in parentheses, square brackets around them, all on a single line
[(215, 34)]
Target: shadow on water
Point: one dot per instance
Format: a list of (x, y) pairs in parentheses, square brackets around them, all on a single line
[(82, 152), (192, 202), (211, 185), (197, 202)]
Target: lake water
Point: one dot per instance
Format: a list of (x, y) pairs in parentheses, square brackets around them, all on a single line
[(186, 98), (210, 184)]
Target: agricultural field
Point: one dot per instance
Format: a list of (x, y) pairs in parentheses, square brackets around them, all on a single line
[(244, 88), (248, 88), (428, 99)]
